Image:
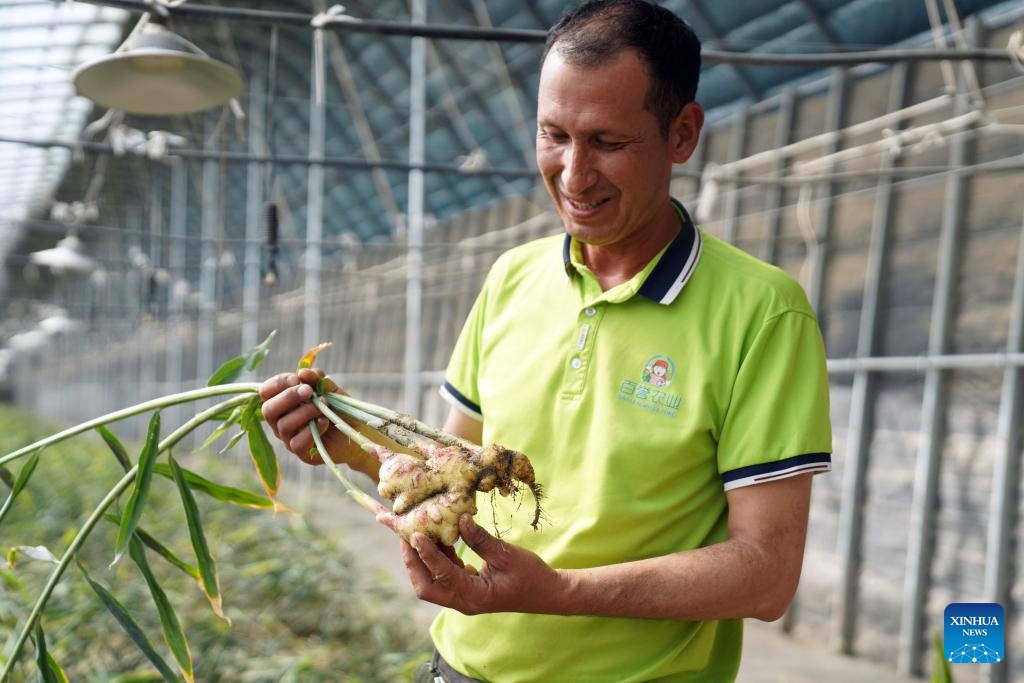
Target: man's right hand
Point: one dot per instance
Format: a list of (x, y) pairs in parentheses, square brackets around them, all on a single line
[(288, 411)]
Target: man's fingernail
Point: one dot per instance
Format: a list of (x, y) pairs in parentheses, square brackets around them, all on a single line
[(304, 391)]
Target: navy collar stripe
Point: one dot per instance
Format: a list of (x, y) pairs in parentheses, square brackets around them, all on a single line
[(674, 268)]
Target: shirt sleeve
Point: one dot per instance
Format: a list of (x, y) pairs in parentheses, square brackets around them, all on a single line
[(777, 424), (460, 388)]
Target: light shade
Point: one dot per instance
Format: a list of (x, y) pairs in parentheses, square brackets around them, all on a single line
[(158, 73)]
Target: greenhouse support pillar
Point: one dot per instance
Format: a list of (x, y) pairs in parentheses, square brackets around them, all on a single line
[(253, 215), (315, 195), (1006, 471), (208, 264), (414, 281), (924, 503), (860, 426)]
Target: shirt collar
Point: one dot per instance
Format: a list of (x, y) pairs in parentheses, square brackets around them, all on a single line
[(677, 263)]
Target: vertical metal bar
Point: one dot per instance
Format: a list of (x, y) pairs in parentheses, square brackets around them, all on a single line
[(208, 263), (1006, 471), (924, 503), (147, 357), (773, 202), (253, 216), (826, 208), (315, 195), (851, 510), (176, 267), (732, 193), (414, 282)]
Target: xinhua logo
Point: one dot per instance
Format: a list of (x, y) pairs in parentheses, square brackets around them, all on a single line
[(973, 633)]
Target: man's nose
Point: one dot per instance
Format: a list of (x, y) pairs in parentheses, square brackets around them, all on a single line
[(578, 172)]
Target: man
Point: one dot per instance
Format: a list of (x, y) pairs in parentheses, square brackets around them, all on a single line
[(677, 501)]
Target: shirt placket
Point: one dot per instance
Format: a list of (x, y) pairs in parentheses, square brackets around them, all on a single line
[(580, 354)]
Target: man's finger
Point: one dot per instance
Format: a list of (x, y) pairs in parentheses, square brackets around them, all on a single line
[(275, 385), (477, 538), (441, 569)]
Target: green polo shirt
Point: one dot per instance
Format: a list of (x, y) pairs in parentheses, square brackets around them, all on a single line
[(639, 407)]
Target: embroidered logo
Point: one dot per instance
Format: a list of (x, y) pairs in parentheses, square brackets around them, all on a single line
[(658, 371), (650, 392)]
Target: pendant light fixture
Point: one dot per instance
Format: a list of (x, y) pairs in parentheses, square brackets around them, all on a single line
[(157, 72)]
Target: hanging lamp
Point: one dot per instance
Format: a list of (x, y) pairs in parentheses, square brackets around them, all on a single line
[(157, 72)]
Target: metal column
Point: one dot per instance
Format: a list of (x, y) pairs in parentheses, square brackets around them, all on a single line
[(921, 544), (178, 282), (208, 265), (315, 195), (858, 441), (773, 202), (826, 215), (414, 282), (1006, 471), (253, 215), (732, 194)]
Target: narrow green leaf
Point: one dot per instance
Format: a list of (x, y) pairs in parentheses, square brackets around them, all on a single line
[(159, 548), (174, 636), (19, 484), (228, 372), (6, 477), (207, 566), (263, 455), (115, 445), (133, 630), (225, 494), (233, 441), (256, 355), (49, 669), (140, 491), (249, 360), (224, 426)]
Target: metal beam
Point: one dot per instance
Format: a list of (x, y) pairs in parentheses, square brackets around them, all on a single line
[(713, 36)]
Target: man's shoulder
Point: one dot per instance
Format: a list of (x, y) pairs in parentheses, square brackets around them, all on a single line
[(730, 267)]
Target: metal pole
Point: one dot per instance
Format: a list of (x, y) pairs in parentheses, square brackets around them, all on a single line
[(315, 195), (1006, 470), (253, 215), (833, 120), (920, 551), (732, 196), (414, 283), (773, 201), (176, 266), (207, 265), (851, 510)]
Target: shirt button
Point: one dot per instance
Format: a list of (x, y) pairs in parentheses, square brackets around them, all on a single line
[(590, 311), (576, 364)]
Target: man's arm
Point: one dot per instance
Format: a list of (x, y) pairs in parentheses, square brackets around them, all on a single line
[(752, 574)]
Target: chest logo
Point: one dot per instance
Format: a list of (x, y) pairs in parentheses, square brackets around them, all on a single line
[(650, 393)]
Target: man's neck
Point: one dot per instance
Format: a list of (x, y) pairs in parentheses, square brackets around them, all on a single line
[(617, 263)]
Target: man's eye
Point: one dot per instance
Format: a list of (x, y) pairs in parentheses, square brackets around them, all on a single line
[(609, 144)]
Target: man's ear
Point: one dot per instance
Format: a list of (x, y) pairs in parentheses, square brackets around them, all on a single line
[(684, 132)]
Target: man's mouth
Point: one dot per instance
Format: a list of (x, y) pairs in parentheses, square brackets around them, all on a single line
[(584, 206)]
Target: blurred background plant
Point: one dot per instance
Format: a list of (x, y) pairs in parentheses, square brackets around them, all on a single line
[(301, 608)]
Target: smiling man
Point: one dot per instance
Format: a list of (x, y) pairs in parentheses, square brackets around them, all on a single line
[(669, 389)]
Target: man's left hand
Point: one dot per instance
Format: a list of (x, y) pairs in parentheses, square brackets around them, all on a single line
[(512, 579)]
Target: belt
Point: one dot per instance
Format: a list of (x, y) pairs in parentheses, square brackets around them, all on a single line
[(444, 673)]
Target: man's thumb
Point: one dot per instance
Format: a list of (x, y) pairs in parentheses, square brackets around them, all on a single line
[(476, 537)]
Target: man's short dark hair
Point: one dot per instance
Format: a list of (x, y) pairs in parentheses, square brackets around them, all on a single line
[(595, 31)]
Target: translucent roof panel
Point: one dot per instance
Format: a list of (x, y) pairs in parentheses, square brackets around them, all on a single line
[(40, 44)]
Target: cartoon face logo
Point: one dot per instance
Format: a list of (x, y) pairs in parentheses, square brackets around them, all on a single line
[(658, 371)]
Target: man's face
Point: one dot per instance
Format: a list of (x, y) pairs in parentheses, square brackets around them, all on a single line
[(604, 160)]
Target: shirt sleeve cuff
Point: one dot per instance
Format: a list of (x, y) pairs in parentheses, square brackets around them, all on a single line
[(780, 469), (460, 402)]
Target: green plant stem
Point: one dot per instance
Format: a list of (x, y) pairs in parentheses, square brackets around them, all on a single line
[(360, 496), (408, 422), (419, 444), (169, 442), (162, 402), (347, 429)]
